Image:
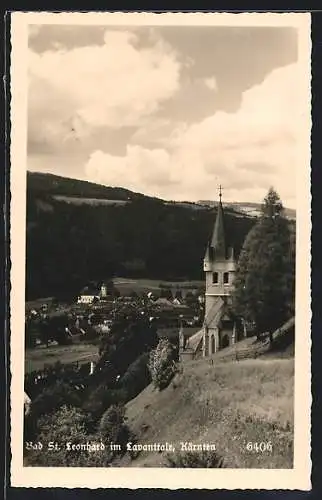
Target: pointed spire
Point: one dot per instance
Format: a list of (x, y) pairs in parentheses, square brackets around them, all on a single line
[(218, 237), (207, 254)]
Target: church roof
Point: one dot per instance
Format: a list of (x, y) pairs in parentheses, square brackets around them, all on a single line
[(195, 340), (207, 254), (162, 301), (215, 312), (218, 240)]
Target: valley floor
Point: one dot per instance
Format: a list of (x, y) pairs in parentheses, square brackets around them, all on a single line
[(229, 404), (37, 358)]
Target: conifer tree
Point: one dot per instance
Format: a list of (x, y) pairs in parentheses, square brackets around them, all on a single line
[(264, 284)]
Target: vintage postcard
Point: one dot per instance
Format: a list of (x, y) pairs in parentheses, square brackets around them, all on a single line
[(160, 250)]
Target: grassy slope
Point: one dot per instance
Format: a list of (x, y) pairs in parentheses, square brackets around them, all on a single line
[(250, 400)]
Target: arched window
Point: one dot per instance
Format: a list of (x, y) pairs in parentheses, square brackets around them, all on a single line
[(224, 341), (215, 278), (226, 278), (213, 345)]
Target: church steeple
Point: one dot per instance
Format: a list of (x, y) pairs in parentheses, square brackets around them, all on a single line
[(218, 240), (219, 263)]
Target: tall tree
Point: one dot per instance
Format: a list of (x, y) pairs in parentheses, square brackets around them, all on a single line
[(264, 284), (131, 335)]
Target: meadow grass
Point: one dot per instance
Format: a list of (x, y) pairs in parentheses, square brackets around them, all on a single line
[(37, 358), (227, 404)]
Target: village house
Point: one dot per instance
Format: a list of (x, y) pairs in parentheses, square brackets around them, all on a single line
[(89, 295)]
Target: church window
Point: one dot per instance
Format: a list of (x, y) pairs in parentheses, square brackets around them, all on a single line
[(213, 345), (226, 278), (215, 277)]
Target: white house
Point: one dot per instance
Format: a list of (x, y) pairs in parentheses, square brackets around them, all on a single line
[(87, 299)]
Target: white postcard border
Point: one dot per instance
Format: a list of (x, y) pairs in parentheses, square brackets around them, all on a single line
[(297, 478)]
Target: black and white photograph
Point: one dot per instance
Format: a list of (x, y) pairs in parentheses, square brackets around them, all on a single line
[(160, 234)]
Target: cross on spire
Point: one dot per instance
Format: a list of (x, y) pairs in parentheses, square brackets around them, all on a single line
[(220, 192)]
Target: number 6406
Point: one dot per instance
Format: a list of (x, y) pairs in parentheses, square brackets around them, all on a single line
[(259, 447)]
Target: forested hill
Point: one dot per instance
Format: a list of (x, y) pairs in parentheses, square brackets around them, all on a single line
[(49, 185), (69, 244)]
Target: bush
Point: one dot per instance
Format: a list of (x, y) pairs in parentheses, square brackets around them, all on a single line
[(191, 459), (162, 364), (109, 392), (67, 428), (91, 333), (113, 427), (101, 398), (52, 398), (137, 376), (131, 334)]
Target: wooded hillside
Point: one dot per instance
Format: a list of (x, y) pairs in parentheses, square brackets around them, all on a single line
[(69, 245)]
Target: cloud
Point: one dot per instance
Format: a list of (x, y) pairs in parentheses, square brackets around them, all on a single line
[(247, 151), (133, 89), (153, 132), (140, 169), (115, 84), (258, 141), (211, 83)]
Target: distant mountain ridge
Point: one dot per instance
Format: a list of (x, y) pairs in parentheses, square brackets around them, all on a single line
[(65, 189), (51, 184), (252, 209)]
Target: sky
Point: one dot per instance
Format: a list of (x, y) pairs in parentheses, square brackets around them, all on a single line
[(166, 111)]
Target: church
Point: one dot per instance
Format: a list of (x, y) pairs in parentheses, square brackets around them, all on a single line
[(221, 327)]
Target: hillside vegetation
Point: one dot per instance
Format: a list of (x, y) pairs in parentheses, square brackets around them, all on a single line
[(69, 245), (49, 184), (229, 404)]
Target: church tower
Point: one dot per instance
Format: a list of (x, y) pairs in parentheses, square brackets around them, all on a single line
[(219, 267), (219, 262)]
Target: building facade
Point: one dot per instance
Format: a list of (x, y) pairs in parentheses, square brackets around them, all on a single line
[(221, 326)]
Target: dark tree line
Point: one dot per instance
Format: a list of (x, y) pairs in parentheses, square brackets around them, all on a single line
[(69, 245)]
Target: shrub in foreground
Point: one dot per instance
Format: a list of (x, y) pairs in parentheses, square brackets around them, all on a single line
[(162, 365), (54, 397), (113, 427), (62, 441), (137, 376), (101, 398), (192, 459)]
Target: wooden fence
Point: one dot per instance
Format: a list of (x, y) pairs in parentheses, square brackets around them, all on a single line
[(248, 353)]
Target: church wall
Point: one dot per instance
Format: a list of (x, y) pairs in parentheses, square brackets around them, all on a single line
[(205, 344), (226, 337), (215, 284), (210, 302), (221, 329), (213, 341), (186, 356)]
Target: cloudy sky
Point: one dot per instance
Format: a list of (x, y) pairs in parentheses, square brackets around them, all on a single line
[(166, 111)]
